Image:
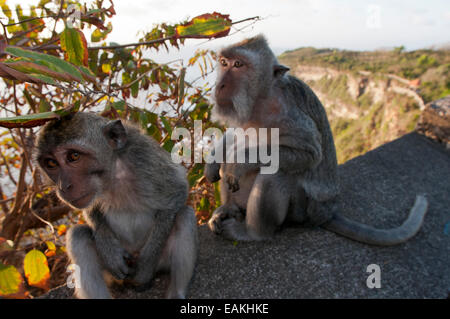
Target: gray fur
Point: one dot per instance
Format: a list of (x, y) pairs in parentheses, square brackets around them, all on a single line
[(138, 221), (306, 187)]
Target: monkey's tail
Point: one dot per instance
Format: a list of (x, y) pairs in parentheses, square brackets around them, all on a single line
[(382, 237)]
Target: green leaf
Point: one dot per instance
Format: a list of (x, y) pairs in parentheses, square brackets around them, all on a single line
[(195, 174), (87, 74), (99, 35), (10, 280), (6, 10), (143, 119), (74, 45), (168, 145), (181, 87), (36, 269), (208, 25), (204, 204), (29, 99), (119, 105), (166, 125), (47, 60), (43, 78), (135, 89), (33, 120), (27, 66), (217, 194), (44, 106)]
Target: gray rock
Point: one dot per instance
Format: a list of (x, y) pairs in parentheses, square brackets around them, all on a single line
[(434, 121), (378, 188)]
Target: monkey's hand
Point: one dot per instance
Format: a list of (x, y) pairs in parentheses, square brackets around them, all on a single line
[(211, 172), (115, 258), (233, 182), (232, 173)]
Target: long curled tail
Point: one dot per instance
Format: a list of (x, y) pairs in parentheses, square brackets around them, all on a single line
[(383, 237)]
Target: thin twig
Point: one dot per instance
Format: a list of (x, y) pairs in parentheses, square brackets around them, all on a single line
[(21, 186), (5, 33), (22, 33), (8, 170), (145, 73), (39, 217), (131, 44), (29, 19), (57, 18), (4, 201)]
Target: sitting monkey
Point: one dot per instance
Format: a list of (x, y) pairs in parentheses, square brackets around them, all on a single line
[(133, 198), (254, 91)]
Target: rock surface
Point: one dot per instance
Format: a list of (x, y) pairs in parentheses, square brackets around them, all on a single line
[(378, 188), (434, 121)]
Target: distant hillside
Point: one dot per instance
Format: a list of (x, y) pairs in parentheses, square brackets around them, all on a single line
[(371, 97)]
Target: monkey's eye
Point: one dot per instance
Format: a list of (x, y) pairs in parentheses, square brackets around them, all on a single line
[(223, 62), (51, 163), (73, 156), (237, 64)]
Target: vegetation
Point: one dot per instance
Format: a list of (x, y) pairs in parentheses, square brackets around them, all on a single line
[(45, 74), (382, 112), (430, 66)]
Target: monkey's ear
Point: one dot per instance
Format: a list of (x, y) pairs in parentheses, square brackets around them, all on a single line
[(279, 70), (116, 134)]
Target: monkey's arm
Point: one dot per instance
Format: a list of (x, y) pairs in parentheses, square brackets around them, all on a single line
[(154, 244), (298, 150), (215, 159), (109, 248)]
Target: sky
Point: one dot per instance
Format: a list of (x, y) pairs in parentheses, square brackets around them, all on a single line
[(289, 24)]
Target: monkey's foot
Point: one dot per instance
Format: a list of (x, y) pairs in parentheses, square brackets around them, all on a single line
[(233, 229), (143, 287), (224, 213), (212, 172)]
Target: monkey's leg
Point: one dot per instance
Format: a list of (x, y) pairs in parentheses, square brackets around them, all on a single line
[(234, 203), (180, 253), (82, 252), (267, 208), (297, 212)]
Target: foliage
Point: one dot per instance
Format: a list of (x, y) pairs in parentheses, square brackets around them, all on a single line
[(372, 121), (408, 64), (47, 74)]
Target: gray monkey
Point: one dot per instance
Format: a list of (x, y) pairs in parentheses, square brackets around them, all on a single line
[(133, 198), (254, 91)]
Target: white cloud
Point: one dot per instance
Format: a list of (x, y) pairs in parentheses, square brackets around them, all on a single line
[(422, 20)]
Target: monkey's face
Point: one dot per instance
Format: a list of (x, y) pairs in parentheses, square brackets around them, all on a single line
[(233, 91), (76, 173), (232, 73)]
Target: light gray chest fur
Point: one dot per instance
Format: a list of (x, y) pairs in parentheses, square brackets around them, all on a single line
[(133, 228)]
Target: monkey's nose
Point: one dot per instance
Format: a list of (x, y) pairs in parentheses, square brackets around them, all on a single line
[(65, 187)]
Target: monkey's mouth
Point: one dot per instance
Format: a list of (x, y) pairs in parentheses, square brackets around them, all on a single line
[(224, 103), (81, 202)]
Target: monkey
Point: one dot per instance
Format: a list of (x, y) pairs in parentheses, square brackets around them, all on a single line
[(253, 90), (133, 198)]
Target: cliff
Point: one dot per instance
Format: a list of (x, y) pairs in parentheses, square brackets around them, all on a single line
[(371, 97)]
